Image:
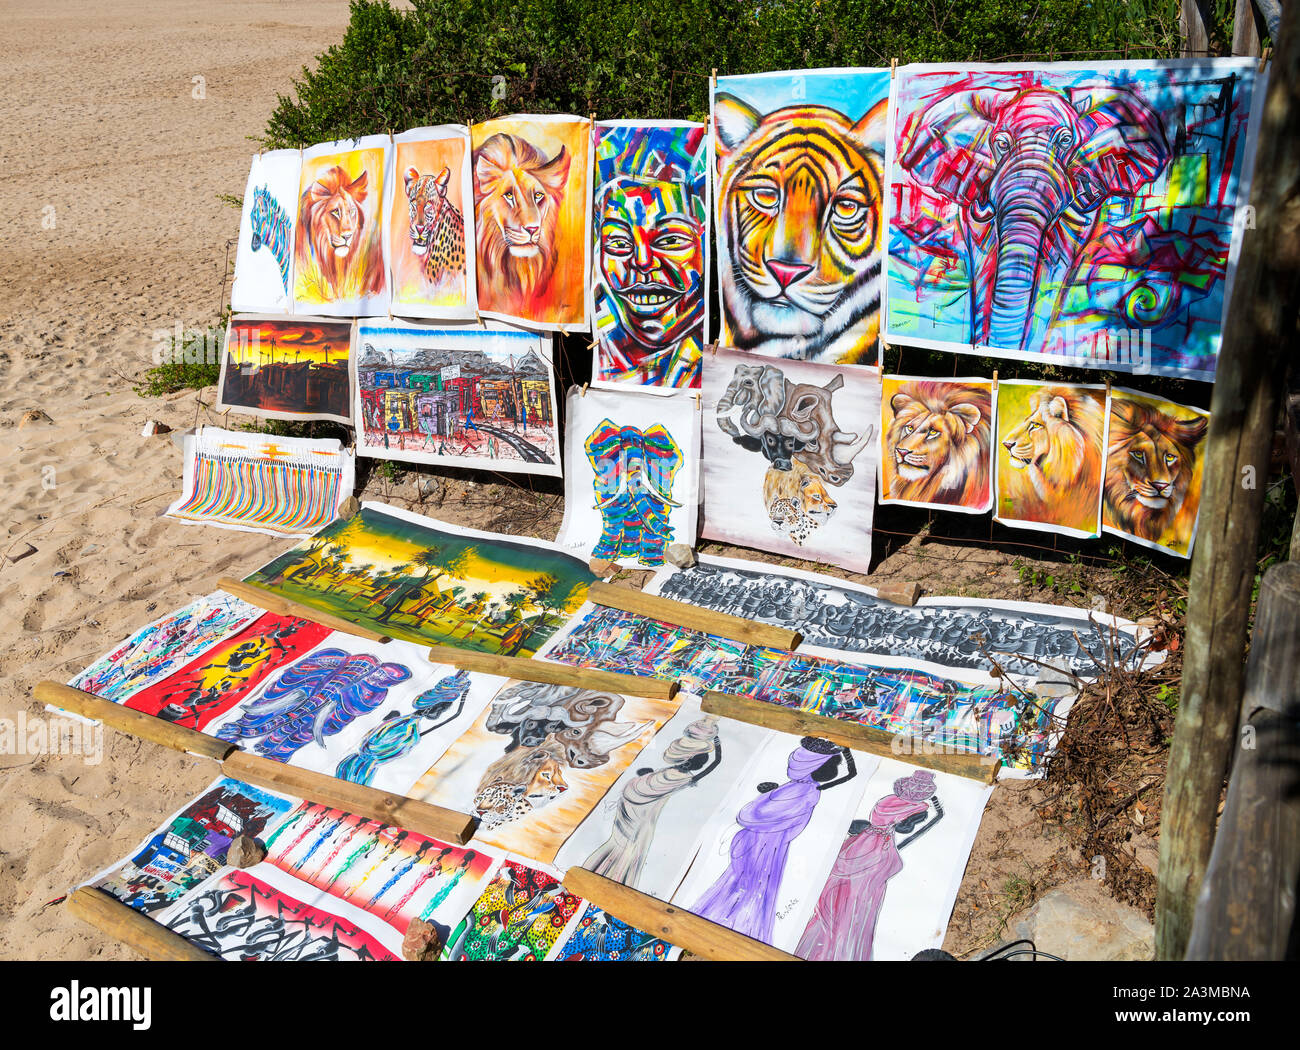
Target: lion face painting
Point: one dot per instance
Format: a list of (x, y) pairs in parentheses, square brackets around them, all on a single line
[(936, 446)]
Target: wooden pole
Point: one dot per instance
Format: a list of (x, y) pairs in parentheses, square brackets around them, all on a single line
[(264, 598), (445, 825), (683, 614), (672, 924), (134, 929), (127, 720), (1245, 30), (554, 674), (1258, 340), (1247, 906), (846, 734), (1191, 29)]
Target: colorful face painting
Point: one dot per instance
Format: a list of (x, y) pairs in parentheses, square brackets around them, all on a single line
[(1051, 442), (633, 484), (803, 480), (519, 917), (597, 936), (895, 877), (650, 293), (800, 174), (531, 212), (538, 760), (415, 578), (935, 437), (277, 368), (191, 845), (1077, 212), (165, 646), (473, 396), (256, 483), (264, 258), (430, 230), (339, 258)]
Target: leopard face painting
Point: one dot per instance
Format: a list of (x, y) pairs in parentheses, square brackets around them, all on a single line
[(437, 227)]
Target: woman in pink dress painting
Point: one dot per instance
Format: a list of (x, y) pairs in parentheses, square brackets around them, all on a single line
[(843, 925)]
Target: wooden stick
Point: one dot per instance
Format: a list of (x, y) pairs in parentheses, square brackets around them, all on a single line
[(127, 720), (846, 734), (134, 929), (445, 825), (684, 614), (672, 924), (554, 674), (265, 598)]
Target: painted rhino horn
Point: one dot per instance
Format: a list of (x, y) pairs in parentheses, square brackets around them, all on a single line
[(847, 446), (614, 735)]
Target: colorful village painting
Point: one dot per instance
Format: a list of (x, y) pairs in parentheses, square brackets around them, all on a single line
[(281, 369), (427, 582)]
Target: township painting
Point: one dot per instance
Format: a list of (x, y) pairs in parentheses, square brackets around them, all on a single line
[(339, 256), (633, 484), (1051, 440), (263, 279), (469, 396), (1077, 212), (650, 271), (431, 223), (935, 443), (800, 211), (282, 368), (596, 936), (531, 219), (790, 457), (411, 577), (519, 918), (1155, 458)]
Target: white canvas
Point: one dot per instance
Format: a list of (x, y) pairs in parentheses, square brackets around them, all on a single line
[(263, 279)]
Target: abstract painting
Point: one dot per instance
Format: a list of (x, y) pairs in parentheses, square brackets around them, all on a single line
[(935, 443), (339, 253), (519, 917), (282, 368), (412, 577), (257, 483), (1155, 458), (431, 223), (633, 485), (264, 256), (478, 396), (800, 191), (1079, 213), (650, 272), (596, 936), (531, 216), (802, 482), (1051, 442)]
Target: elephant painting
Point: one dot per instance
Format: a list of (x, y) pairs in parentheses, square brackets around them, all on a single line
[(633, 482)]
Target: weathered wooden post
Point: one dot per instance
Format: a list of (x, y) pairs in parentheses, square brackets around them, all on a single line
[(1258, 341), (1192, 30)]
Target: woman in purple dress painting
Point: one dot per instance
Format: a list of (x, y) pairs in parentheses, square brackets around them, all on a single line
[(843, 925), (744, 897)]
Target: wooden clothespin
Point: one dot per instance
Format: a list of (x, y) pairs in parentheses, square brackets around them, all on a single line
[(995, 379), (1108, 389), (893, 68), (583, 391), (1264, 57), (713, 79), (699, 401)]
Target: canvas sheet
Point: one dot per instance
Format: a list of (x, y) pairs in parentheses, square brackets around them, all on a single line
[(1155, 460), (258, 483), (897, 871), (431, 223), (340, 257), (768, 849), (263, 277), (478, 396), (650, 245), (633, 485), (1117, 254), (520, 917), (532, 216), (1051, 441), (287, 368), (799, 167), (645, 832), (538, 760), (790, 455), (935, 437), (412, 577), (596, 936)]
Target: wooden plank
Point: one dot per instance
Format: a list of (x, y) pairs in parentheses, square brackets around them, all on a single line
[(737, 628), (1192, 28), (127, 720), (555, 674), (672, 924), (846, 734), (1245, 29), (265, 598), (134, 929), (445, 825)]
